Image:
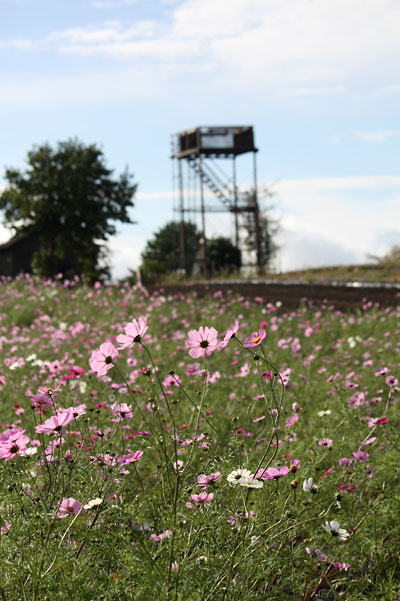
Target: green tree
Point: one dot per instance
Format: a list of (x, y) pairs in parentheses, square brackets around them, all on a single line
[(162, 254), (68, 199), (222, 255)]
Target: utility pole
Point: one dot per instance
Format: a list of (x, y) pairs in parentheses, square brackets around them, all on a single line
[(182, 223), (257, 220), (203, 217)]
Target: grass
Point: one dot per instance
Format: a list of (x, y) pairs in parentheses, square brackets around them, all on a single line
[(152, 444)]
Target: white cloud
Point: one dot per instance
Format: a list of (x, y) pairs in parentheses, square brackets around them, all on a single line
[(379, 135), (299, 42), (326, 184), (323, 221), (323, 216), (301, 250)]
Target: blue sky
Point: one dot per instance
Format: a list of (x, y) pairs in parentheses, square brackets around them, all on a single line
[(318, 80)]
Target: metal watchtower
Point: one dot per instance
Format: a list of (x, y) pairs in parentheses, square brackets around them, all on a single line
[(199, 147)]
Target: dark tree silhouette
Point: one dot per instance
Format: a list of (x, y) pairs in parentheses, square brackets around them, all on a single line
[(162, 254), (68, 198)]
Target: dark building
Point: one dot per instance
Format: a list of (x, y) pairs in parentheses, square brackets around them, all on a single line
[(16, 257)]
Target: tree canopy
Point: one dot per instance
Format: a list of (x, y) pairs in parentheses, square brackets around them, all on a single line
[(162, 254), (69, 199), (222, 255)]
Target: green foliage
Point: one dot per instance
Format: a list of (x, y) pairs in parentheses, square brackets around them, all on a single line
[(162, 254), (218, 552), (69, 199), (223, 255)]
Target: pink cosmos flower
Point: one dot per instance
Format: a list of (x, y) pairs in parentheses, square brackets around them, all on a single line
[(121, 411), (292, 420), (78, 410), (202, 342), (13, 445), (134, 331), (68, 507), (345, 462), (202, 499), (157, 537), (230, 333), (5, 528), (204, 481), (361, 456), (131, 458), (382, 372), (102, 360), (272, 473), (369, 441), (325, 442), (192, 370), (56, 423), (172, 381), (255, 339)]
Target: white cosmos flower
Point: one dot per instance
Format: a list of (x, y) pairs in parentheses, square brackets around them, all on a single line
[(324, 412), (250, 482), (334, 529), (309, 486), (28, 451), (236, 475), (93, 503)]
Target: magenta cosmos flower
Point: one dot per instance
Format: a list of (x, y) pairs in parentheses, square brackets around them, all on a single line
[(255, 339), (202, 342), (134, 331), (68, 507), (102, 360), (230, 333), (131, 458)]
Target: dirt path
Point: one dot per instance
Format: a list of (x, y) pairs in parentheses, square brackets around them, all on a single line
[(343, 297)]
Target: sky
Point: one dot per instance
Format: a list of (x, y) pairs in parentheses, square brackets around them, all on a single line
[(319, 80)]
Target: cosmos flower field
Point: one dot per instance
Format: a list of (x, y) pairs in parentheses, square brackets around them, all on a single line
[(196, 449)]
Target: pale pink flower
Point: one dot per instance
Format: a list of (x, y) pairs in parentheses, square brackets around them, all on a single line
[(272, 473), (102, 360), (134, 331), (369, 441), (157, 537), (361, 456), (325, 442), (202, 342), (5, 528), (121, 411), (131, 458), (56, 423), (14, 445), (204, 481), (230, 333), (255, 339), (192, 370), (292, 420), (68, 507), (203, 499)]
